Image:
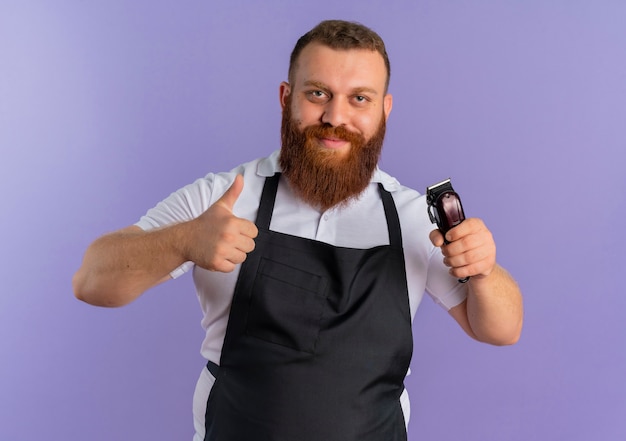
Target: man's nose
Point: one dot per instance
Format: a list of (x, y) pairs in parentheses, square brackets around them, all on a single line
[(336, 113)]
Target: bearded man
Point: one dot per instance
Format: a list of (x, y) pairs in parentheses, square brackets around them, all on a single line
[(310, 264)]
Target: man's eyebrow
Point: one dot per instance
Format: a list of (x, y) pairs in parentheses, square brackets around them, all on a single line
[(365, 89), (316, 84), (356, 90)]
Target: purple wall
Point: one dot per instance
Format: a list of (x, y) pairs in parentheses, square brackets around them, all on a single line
[(106, 107)]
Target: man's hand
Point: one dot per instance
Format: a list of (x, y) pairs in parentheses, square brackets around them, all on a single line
[(493, 310), (471, 250), (220, 240)]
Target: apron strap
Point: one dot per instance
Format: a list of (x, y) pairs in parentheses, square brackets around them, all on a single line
[(213, 368), (266, 206), (393, 221)]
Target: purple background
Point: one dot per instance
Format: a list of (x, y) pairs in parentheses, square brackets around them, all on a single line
[(108, 106)]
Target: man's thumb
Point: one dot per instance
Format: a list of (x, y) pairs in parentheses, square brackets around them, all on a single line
[(229, 198)]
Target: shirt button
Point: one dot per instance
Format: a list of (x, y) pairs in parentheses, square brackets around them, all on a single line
[(325, 217)]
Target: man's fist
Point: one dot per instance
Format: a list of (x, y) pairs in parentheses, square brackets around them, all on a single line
[(471, 251), (219, 239)]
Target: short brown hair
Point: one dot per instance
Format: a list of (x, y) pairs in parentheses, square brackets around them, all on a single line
[(340, 34)]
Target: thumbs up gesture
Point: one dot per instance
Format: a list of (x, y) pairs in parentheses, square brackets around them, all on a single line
[(220, 240)]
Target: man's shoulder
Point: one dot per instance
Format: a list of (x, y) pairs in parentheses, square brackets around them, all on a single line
[(392, 184), (261, 167), (258, 168), (266, 166), (410, 203)]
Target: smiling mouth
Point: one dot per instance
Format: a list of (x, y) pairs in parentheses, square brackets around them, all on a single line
[(333, 143)]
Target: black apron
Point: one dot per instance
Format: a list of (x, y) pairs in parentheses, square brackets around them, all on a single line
[(318, 341)]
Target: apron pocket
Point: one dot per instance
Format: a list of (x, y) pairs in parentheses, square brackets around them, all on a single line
[(286, 306)]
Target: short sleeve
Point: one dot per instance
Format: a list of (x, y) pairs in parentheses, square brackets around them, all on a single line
[(444, 289)]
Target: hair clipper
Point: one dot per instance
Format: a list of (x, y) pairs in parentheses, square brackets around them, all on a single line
[(445, 208)]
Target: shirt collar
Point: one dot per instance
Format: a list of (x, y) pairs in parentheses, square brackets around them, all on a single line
[(269, 166)]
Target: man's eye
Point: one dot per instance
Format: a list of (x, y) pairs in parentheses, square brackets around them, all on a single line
[(360, 99), (317, 96)]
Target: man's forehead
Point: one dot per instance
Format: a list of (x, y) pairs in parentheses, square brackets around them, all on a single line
[(319, 50), (318, 63)]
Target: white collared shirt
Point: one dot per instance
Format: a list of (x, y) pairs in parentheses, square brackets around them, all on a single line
[(361, 224)]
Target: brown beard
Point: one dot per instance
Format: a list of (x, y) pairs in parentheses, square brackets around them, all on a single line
[(322, 177)]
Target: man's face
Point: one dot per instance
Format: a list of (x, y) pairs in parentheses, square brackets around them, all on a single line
[(334, 115), (340, 88)]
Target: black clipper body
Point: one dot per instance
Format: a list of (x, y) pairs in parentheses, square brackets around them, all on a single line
[(445, 208)]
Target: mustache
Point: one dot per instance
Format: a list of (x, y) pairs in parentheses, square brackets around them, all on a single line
[(338, 132)]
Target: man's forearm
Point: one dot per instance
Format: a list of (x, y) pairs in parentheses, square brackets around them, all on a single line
[(118, 267), (494, 308)]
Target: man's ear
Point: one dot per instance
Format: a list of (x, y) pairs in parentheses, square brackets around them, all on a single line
[(284, 90), (387, 105)]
